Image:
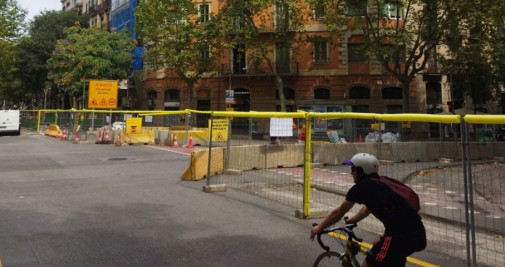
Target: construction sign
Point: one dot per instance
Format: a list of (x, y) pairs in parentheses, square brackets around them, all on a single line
[(219, 130), (102, 94), (133, 125), (406, 125)]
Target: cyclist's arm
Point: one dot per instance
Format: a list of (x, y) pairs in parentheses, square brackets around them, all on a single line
[(332, 218), (362, 214)]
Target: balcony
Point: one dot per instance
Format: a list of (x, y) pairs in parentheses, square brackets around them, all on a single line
[(100, 8)]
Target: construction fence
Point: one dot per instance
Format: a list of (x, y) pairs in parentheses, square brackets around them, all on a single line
[(455, 163)]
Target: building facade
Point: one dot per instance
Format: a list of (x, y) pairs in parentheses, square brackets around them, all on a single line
[(330, 74), (72, 5)]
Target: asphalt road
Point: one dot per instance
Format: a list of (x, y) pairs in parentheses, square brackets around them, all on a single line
[(63, 204)]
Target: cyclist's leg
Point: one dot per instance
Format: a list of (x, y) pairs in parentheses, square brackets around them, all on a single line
[(387, 252)]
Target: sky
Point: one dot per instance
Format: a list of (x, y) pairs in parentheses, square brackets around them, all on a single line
[(34, 7)]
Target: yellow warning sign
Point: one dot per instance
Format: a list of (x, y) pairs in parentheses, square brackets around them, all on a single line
[(102, 94), (219, 130), (133, 125)]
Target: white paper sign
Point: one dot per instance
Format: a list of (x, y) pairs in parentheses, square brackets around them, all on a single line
[(281, 127)]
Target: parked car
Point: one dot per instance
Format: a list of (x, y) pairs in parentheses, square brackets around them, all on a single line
[(10, 121)]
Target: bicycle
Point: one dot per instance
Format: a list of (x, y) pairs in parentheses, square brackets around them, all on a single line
[(350, 246)]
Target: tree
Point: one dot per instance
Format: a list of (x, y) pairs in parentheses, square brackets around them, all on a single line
[(179, 37), (475, 39), (401, 35), (11, 25), (37, 48), (261, 29), (86, 54)]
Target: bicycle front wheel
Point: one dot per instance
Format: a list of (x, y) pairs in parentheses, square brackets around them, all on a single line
[(330, 258)]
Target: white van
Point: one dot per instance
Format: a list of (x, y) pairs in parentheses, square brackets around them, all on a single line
[(10, 122)]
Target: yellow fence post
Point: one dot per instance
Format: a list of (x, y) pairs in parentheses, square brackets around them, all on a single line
[(307, 166), (38, 120)]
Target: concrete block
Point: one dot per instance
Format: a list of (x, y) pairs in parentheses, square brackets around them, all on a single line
[(214, 188), (312, 214), (284, 156), (247, 157), (162, 137), (445, 160), (232, 172)]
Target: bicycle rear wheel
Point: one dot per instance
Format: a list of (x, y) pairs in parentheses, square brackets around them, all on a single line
[(330, 258)]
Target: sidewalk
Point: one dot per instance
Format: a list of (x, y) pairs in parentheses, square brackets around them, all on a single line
[(441, 194)]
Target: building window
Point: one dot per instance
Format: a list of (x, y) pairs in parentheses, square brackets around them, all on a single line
[(393, 53), (433, 93), (359, 92), (392, 93), (203, 12), (281, 16), (356, 53), (205, 52), (282, 60), (239, 22), (356, 8), (320, 50), (151, 97), (321, 93), (392, 10), (239, 63), (171, 95), (319, 11), (288, 93)]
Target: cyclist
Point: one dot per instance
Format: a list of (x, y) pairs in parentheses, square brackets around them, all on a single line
[(404, 231)]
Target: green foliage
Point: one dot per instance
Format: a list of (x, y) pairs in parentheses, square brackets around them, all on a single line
[(11, 19), (37, 48), (11, 26), (259, 26), (475, 38), (176, 39), (246, 22), (400, 35), (92, 53)]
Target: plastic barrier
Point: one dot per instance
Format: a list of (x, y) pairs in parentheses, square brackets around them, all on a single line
[(200, 137), (198, 165), (53, 130)]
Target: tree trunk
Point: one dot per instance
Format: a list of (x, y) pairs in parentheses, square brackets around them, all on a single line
[(138, 76), (190, 94), (280, 88), (405, 96)]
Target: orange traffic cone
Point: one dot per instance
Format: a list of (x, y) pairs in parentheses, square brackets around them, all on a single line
[(190, 141), (99, 138), (65, 134), (174, 142), (360, 138), (118, 140), (76, 141), (106, 136)]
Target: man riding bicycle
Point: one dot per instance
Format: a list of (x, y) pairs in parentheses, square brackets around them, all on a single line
[(404, 231)]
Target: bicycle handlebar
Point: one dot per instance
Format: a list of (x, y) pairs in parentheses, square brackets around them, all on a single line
[(348, 229)]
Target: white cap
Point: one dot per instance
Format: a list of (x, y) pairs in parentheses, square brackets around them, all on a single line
[(368, 162)]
